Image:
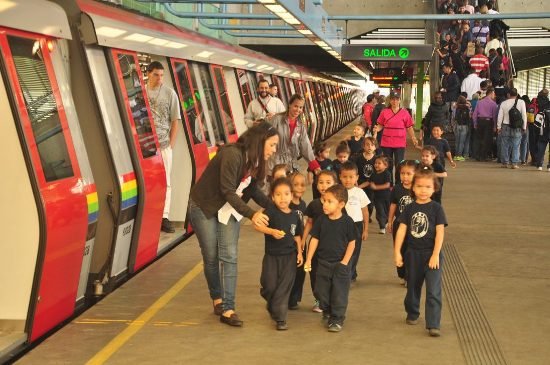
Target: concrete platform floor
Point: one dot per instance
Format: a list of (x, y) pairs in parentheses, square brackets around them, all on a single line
[(499, 221)]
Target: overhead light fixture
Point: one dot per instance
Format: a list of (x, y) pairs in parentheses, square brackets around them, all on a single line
[(6, 4), (305, 31), (238, 61), (321, 43), (175, 45), (261, 67), (266, 1), (286, 72), (276, 8), (158, 41), (278, 71), (204, 54), (138, 37), (295, 74), (251, 65), (334, 53), (269, 68), (108, 32)]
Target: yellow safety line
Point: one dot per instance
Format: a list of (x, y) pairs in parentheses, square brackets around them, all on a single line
[(134, 326)]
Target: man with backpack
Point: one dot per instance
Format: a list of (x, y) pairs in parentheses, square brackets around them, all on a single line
[(511, 123), (542, 127)]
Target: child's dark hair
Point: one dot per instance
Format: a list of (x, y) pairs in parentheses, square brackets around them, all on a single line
[(339, 192), (328, 173), (280, 181), (294, 175), (408, 163), (437, 125), (431, 149), (372, 140), (281, 166), (320, 147), (343, 148), (360, 125), (425, 172), (384, 159), (349, 166)]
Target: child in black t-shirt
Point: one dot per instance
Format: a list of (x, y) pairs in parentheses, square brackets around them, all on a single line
[(400, 197), (429, 158), (322, 152), (422, 226), (442, 146), (283, 251), (380, 183), (333, 241), (355, 143), (342, 156), (298, 182), (365, 168), (314, 210)]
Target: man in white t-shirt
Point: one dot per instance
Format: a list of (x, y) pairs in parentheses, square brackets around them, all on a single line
[(165, 108), (264, 107)]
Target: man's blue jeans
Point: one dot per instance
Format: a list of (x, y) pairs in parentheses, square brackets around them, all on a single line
[(510, 139), (219, 248)]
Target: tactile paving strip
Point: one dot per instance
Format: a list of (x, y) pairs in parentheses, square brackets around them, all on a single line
[(476, 336)]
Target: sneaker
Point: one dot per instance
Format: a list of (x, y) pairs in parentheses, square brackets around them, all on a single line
[(282, 326), (514, 167), (456, 158), (539, 168), (334, 327), (411, 322), (316, 308), (434, 332), (167, 226), (382, 231), (504, 166)]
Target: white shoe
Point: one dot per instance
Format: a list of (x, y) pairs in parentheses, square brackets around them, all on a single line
[(382, 231), (549, 169), (539, 168)]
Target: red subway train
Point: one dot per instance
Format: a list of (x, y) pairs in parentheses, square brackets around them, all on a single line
[(83, 182)]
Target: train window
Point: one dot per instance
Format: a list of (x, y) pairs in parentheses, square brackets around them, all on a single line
[(227, 115), (253, 84), (41, 107), (244, 85), (210, 107), (189, 101), (136, 101)]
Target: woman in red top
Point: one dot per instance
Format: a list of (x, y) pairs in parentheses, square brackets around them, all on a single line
[(396, 122)]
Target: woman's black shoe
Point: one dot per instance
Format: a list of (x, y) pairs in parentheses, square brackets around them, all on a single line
[(232, 320)]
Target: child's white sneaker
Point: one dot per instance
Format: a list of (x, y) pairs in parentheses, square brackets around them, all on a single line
[(539, 168), (316, 308), (382, 231)]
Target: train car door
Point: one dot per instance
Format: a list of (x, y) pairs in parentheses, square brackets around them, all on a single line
[(145, 152), (62, 205), (223, 101), (190, 107)]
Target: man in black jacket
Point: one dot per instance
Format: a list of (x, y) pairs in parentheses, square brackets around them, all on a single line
[(450, 85)]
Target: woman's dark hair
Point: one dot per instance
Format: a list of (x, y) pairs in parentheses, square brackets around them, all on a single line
[(461, 100), (253, 142), (343, 148), (424, 172), (295, 97), (278, 182)]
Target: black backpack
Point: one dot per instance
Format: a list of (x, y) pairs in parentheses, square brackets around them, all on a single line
[(462, 116), (515, 117)]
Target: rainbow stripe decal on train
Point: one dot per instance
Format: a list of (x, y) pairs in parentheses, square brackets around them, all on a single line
[(93, 207), (129, 190)]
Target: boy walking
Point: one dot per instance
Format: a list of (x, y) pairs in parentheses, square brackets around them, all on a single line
[(333, 239)]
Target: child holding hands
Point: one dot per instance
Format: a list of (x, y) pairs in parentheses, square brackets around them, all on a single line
[(283, 251)]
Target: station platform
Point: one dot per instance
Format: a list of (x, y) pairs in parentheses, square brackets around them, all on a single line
[(495, 309)]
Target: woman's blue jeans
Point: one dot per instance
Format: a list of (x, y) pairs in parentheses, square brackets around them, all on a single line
[(219, 248)]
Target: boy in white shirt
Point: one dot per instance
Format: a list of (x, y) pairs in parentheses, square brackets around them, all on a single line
[(357, 209)]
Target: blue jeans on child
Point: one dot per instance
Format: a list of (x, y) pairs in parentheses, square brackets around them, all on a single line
[(416, 262), (510, 139), (219, 247)]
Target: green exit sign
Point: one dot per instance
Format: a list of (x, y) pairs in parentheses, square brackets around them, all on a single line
[(358, 52)]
